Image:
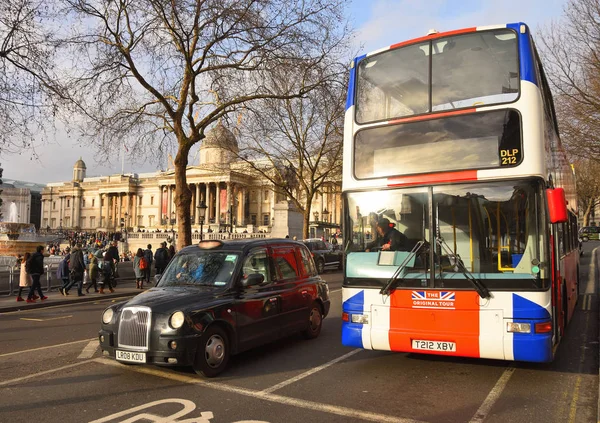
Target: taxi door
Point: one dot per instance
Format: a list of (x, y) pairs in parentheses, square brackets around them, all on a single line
[(257, 308)]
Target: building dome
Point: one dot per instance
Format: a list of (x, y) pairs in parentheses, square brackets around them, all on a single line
[(79, 170), (219, 146), (80, 164)]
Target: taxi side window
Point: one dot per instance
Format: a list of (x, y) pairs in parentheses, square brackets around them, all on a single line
[(257, 261), (285, 263), (307, 261)]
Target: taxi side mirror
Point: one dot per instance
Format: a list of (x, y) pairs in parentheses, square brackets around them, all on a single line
[(253, 279)]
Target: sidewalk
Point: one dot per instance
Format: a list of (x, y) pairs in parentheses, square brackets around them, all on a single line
[(124, 289)]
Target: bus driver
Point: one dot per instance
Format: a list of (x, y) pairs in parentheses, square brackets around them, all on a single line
[(388, 237)]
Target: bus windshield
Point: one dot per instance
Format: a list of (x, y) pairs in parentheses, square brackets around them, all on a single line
[(468, 70), (494, 229)]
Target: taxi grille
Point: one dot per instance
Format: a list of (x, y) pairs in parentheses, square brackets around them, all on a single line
[(134, 328)]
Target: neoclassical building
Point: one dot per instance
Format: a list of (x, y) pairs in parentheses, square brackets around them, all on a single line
[(234, 200)]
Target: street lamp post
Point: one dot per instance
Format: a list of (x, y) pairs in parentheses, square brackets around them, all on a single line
[(326, 220), (201, 214), (126, 225), (172, 224)]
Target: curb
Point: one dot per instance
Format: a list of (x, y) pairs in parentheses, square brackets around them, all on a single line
[(52, 303)]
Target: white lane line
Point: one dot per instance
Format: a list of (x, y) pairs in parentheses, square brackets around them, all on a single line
[(591, 283), (46, 320), (89, 350), (492, 397), (309, 372), (47, 347), (74, 303), (38, 374), (279, 399)]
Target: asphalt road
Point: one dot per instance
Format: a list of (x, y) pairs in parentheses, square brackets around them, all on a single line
[(52, 371)]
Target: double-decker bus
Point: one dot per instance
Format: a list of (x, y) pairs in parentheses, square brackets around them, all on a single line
[(453, 139)]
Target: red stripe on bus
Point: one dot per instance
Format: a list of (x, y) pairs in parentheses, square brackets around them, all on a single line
[(465, 175), (431, 116), (433, 37)]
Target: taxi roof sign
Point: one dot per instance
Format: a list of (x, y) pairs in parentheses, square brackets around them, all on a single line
[(208, 245)]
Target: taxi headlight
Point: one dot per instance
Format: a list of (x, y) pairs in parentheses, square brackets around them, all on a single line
[(107, 316), (176, 320)]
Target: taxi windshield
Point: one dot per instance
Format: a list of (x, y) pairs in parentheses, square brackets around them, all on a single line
[(200, 268)]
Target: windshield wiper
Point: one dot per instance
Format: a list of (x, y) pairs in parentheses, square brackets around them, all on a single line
[(460, 266), (392, 281)]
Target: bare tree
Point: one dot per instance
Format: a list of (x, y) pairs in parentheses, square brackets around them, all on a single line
[(296, 144), (29, 89), (153, 73), (588, 186), (572, 59)]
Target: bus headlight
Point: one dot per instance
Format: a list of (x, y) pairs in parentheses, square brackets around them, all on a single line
[(107, 316), (176, 320), (360, 318), (518, 327)]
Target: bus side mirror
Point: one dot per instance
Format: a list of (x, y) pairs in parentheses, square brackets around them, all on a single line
[(557, 205)]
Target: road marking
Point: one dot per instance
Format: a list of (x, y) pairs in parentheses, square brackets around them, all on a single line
[(591, 283), (74, 303), (46, 320), (38, 374), (89, 350), (335, 290), (573, 405), (587, 302), (279, 399), (493, 396), (47, 347), (309, 372)]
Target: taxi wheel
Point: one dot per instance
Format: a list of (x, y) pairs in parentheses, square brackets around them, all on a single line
[(315, 322), (212, 354), (320, 266)]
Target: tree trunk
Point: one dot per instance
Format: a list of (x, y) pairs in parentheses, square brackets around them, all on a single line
[(586, 214), (306, 219), (183, 198)]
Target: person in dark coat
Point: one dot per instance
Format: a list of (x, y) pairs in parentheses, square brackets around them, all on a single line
[(389, 238), (35, 267), (161, 258), (76, 269)]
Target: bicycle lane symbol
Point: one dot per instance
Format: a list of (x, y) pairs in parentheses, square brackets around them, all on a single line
[(140, 414)]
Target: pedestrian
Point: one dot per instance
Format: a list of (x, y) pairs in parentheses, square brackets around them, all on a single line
[(76, 270), (171, 252), (161, 258), (107, 273), (92, 273), (148, 269), (35, 267), (62, 273), (24, 278), (139, 268)]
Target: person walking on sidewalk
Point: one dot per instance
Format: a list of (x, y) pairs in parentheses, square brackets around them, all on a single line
[(24, 278), (161, 258), (35, 267), (148, 269), (92, 273), (76, 269), (62, 273), (139, 268)]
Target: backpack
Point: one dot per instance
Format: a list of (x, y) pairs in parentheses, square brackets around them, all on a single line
[(143, 263)]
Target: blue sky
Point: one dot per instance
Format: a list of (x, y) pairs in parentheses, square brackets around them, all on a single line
[(379, 23)]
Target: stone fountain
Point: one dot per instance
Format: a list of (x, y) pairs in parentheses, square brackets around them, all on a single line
[(18, 238)]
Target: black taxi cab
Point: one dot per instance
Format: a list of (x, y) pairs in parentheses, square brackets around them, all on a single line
[(215, 299)]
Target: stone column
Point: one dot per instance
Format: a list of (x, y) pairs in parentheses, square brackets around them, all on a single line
[(271, 206), (119, 211), (99, 224), (60, 211), (207, 202), (218, 203), (229, 203), (169, 203), (197, 203), (42, 215), (242, 219)]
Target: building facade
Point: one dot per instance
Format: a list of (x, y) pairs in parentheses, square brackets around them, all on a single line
[(146, 202)]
